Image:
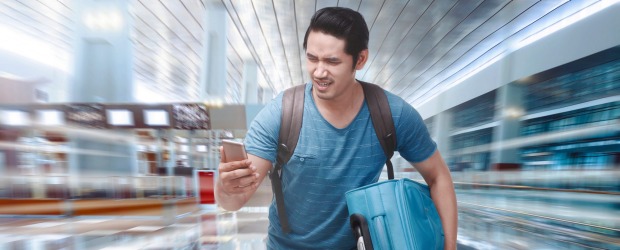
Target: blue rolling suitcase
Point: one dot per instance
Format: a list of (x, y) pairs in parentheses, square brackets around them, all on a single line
[(395, 214)]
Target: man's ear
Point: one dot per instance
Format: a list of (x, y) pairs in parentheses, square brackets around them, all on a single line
[(361, 59)]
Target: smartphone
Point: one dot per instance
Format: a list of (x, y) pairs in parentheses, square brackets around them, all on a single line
[(234, 151)]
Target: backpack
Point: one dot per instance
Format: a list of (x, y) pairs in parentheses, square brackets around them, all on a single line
[(290, 127)]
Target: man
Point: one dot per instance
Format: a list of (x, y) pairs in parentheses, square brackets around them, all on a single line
[(337, 150)]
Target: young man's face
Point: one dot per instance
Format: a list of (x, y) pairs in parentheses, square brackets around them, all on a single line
[(330, 67)]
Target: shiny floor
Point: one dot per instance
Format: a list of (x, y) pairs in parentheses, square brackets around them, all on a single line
[(207, 229), (210, 228), (489, 219)]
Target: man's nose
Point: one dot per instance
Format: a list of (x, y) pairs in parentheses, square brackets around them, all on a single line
[(320, 71)]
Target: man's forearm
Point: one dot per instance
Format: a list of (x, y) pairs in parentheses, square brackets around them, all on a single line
[(445, 201)]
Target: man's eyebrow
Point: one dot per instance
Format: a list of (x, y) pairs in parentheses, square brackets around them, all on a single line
[(330, 59)]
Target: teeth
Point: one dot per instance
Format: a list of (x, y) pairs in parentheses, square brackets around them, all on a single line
[(322, 84)]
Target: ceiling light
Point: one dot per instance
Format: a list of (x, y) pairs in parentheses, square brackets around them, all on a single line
[(110, 20), (513, 112), (214, 103), (51, 117), (15, 118)]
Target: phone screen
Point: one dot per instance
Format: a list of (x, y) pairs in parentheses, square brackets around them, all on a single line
[(234, 151)]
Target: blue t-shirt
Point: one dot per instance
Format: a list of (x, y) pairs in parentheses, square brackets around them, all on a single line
[(326, 163)]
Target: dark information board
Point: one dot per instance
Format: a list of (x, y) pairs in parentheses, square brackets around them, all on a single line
[(89, 115), (191, 116)]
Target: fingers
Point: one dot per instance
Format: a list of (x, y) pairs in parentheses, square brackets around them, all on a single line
[(236, 165), (239, 181), (244, 181), (238, 190), (237, 173)]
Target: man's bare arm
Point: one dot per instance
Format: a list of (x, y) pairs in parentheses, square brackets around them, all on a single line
[(437, 175)]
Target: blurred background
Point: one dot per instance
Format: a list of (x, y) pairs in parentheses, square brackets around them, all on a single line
[(112, 113)]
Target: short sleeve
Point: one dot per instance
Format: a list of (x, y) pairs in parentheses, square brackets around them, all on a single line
[(414, 143), (262, 137)]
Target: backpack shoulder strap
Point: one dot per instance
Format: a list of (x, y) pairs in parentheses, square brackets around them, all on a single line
[(290, 127), (382, 121)]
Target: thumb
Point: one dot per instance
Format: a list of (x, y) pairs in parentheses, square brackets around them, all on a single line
[(222, 155)]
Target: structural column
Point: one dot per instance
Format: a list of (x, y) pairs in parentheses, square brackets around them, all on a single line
[(103, 74), (250, 82), (172, 153), (442, 125), (510, 101), (103, 56), (213, 71), (267, 95)]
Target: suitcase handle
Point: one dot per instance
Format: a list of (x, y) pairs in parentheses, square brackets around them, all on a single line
[(359, 225), (382, 236)]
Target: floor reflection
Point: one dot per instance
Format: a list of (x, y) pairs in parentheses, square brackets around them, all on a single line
[(203, 230), (209, 228)]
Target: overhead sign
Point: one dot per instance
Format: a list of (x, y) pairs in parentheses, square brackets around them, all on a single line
[(191, 116), (89, 115)]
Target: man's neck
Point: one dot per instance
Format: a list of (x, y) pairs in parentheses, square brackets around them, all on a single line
[(341, 111)]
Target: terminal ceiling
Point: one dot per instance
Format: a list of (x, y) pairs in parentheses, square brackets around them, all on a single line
[(417, 47)]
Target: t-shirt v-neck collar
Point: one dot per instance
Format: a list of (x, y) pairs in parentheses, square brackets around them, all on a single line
[(316, 110)]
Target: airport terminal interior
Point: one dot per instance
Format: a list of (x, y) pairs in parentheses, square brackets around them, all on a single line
[(112, 114)]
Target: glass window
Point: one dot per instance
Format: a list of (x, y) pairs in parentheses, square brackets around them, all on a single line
[(581, 86), (476, 111)]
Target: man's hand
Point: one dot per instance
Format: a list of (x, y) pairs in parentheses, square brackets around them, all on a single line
[(237, 177)]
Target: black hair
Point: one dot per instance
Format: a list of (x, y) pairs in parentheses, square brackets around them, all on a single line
[(342, 23)]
